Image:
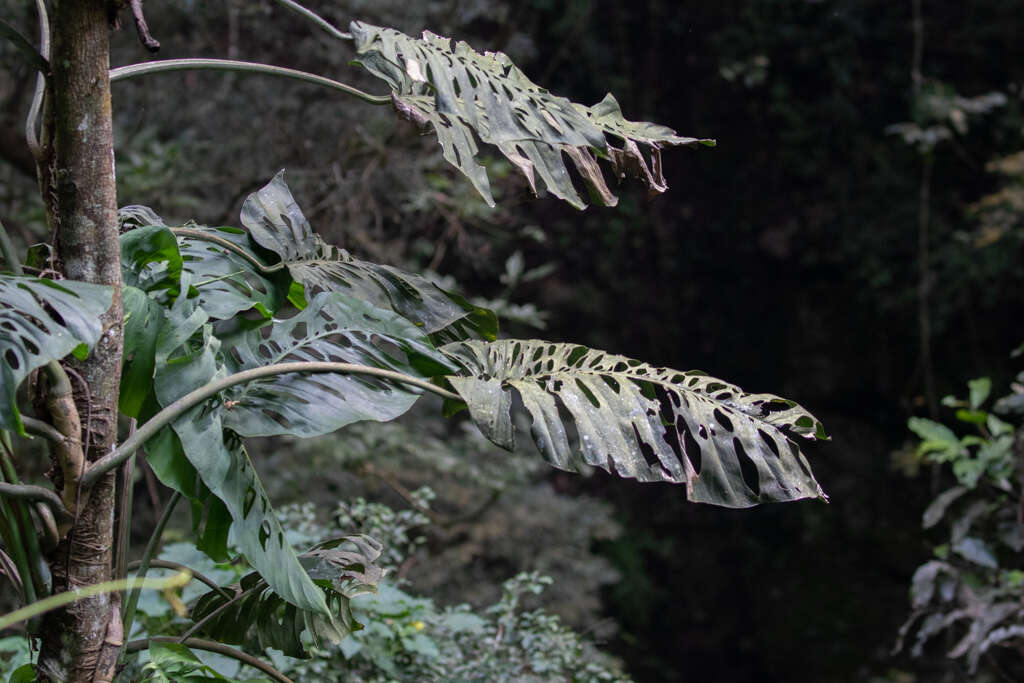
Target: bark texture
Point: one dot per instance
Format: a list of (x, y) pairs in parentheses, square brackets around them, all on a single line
[(77, 642)]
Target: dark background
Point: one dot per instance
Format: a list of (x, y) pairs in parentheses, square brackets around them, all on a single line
[(785, 260)]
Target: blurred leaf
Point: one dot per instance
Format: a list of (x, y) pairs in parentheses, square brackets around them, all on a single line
[(979, 390), (937, 509), (977, 551)]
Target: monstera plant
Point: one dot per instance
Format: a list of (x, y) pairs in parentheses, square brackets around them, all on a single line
[(202, 337)]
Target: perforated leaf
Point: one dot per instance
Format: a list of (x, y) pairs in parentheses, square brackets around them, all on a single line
[(728, 447), (334, 327), (467, 96), (255, 616), (226, 282), (186, 358), (40, 321), (276, 223)]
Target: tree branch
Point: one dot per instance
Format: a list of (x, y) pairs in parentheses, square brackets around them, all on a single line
[(168, 65), (210, 646), (191, 399)]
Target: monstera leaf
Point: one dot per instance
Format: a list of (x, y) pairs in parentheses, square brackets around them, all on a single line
[(334, 327), (186, 358), (465, 95), (728, 447), (41, 321), (276, 223), (254, 615)]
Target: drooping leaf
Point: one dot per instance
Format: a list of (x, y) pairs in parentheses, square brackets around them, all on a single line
[(143, 319), (728, 447), (40, 321), (186, 359), (937, 508), (466, 96), (334, 327), (176, 663), (259, 618), (276, 223)]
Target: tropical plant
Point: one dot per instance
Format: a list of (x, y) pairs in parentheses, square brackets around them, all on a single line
[(970, 592), (203, 336)]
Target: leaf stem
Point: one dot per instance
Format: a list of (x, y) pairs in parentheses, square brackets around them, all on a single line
[(43, 429), (168, 65), (193, 398), (67, 597), (228, 244), (316, 19), (128, 616), (210, 646), (29, 492), (177, 566)]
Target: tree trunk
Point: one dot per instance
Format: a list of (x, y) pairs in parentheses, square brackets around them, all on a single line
[(80, 643)]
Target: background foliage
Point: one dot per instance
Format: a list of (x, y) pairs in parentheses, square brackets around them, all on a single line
[(807, 192)]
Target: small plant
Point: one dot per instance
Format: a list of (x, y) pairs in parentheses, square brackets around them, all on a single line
[(971, 591)]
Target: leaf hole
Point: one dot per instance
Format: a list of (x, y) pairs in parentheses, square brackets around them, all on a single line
[(769, 442), (12, 359), (747, 467), (721, 418)]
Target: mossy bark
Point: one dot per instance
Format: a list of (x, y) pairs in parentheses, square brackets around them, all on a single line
[(80, 643)]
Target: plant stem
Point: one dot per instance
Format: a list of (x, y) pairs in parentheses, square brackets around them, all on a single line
[(29, 492), (188, 401), (228, 244), (7, 248), (316, 19), (31, 137), (67, 597), (128, 616), (177, 566), (168, 65), (43, 429), (210, 646)]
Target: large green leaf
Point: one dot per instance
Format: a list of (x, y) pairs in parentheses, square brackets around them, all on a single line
[(227, 283), (276, 223), (254, 615), (186, 358), (466, 95), (40, 321), (333, 327), (728, 447), (153, 258)]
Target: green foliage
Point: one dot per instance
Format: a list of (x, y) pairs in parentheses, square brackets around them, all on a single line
[(270, 331), (41, 321), (972, 591)]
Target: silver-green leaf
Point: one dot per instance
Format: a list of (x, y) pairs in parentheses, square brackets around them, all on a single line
[(337, 328), (40, 321), (466, 96), (726, 446), (276, 222)]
